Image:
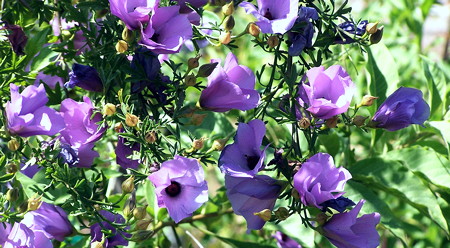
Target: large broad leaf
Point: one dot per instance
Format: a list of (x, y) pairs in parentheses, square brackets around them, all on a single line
[(443, 127)]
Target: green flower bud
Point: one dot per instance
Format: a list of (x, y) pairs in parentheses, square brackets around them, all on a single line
[(13, 145), (376, 37), (12, 195), (139, 213), (228, 9), (128, 185), (228, 24), (206, 69)]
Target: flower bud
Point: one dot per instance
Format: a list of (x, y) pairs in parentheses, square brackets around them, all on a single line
[(34, 203), (13, 145), (127, 35), (193, 63), (150, 137), (367, 100), (139, 213), (206, 69), (372, 28), (273, 41), (331, 122), (97, 244), (23, 207), (225, 38), (282, 213), (66, 34), (376, 37), (253, 29), (131, 120), (121, 46), (143, 224), (304, 123), (198, 144), (228, 9), (228, 24), (265, 214), (128, 185), (12, 195), (295, 194), (118, 127), (359, 120), (321, 218), (11, 168), (141, 235), (109, 109), (219, 144), (190, 80), (129, 206)]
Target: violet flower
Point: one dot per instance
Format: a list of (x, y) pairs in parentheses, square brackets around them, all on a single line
[(180, 186), (318, 180), (345, 230), (402, 108), (21, 236), (5, 229), (49, 80), (284, 241), (195, 3), (133, 13), (230, 87), (116, 235), (350, 28), (166, 31), (85, 77), (302, 33), (339, 204), (244, 158), (27, 114), (29, 170), (252, 195), (327, 92), (123, 151), (274, 16)]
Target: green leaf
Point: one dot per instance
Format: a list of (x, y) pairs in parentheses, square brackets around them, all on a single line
[(240, 244), (437, 88), (6, 178), (36, 42), (443, 127)]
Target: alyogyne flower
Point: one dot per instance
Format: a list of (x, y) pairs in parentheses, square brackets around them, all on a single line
[(244, 158), (402, 108), (195, 3), (339, 204), (27, 114), (318, 180), (284, 241), (123, 151), (230, 87), (252, 195), (20, 236), (116, 237), (300, 36), (85, 77), (180, 186), (166, 31), (352, 29), (16, 37), (345, 230), (133, 13), (274, 16), (327, 92)]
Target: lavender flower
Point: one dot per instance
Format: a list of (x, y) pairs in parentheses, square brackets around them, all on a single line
[(49, 80), (180, 186), (327, 92), (116, 235), (350, 28), (244, 158), (133, 13), (85, 77), (123, 151), (252, 195), (5, 229), (345, 230), (318, 180), (166, 31), (274, 16), (19, 236), (27, 114), (302, 33), (284, 241), (230, 87), (402, 108)]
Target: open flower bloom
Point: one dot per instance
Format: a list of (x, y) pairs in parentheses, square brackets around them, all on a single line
[(274, 16), (123, 152), (85, 77), (327, 92), (303, 31), (244, 158), (19, 235), (27, 114), (345, 230), (230, 87), (252, 195), (404, 107), (166, 31), (116, 237), (284, 241), (318, 180), (133, 13), (180, 186)]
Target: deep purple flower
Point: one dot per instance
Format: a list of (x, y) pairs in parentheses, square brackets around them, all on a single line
[(252, 195), (302, 33), (116, 235), (244, 158), (327, 92), (27, 114), (339, 204), (166, 31), (133, 13), (318, 180), (230, 87), (29, 170), (274, 16), (85, 77), (180, 186), (195, 3), (49, 219), (123, 151), (402, 108), (17, 38), (284, 241), (352, 29), (345, 230)]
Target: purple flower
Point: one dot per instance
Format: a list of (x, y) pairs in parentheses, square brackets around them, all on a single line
[(123, 151), (284, 241), (195, 3), (244, 158), (404, 107), (180, 186), (29, 170), (49, 80), (17, 38), (19, 236), (166, 31), (302, 33), (350, 28), (133, 13), (318, 180), (339, 204), (345, 230), (5, 229), (50, 220), (27, 114), (274, 16), (116, 235), (327, 92), (85, 77), (252, 195), (230, 87)]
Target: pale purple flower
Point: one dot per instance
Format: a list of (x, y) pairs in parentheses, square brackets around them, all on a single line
[(327, 92), (116, 235), (252, 195), (284, 241), (85, 77), (123, 151), (166, 31), (345, 230), (318, 180), (5, 229), (230, 87), (19, 236), (27, 114), (133, 13), (274, 16), (244, 158), (180, 186), (49, 80), (402, 108), (29, 170)]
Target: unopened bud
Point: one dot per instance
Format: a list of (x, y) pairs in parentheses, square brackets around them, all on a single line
[(121, 46), (193, 63), (143, 224), (295, 194), (34, 203), (141, 235), (128, 185), (198, 144), (118, 127), (253, 29), (12, 195), (282, 213), (129, 206), (265, 214), (321, 218), (13, 145), (359, 120), (225, 38), (206, 69), (23, 207), (139, 213), (131, 120), (273, 41), (109, 109), (228, 9), (219, 144), (127, 35), (150, 137), (367, 100), (97, 244), (331, 122), (372, 28), (66, 34), (190, 80), (228, 23), (11, 168), (304, 123), (376, 37)]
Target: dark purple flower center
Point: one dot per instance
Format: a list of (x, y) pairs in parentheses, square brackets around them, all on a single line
[(252, 161), (155, 38), (268, 15), (173, 189)]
